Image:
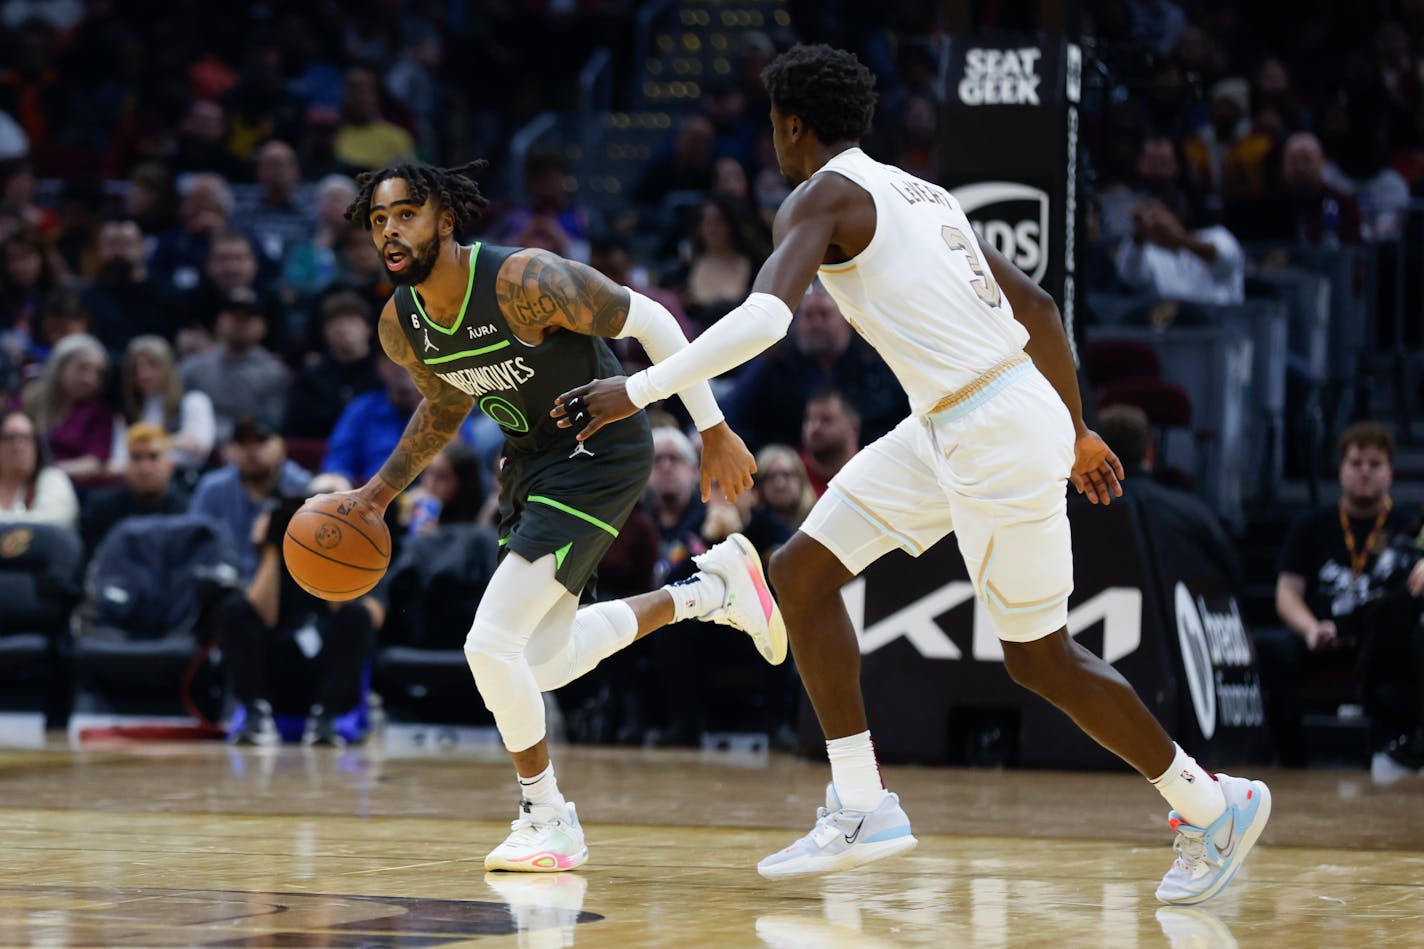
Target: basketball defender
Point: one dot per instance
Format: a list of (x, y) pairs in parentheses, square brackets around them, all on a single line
[(996, 431), (507, 330)]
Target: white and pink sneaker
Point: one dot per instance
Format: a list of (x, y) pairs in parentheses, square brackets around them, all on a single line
[(748, 605), (545, 838)]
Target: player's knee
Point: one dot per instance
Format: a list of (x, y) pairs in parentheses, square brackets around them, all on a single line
[(487, 642), (1041, 666), (793, 571)]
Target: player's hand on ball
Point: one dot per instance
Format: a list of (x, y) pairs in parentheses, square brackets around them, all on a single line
[(1096, 471), (590, 407)]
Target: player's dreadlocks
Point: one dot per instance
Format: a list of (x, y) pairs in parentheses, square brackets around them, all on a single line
[(454, 189), (826, 88)]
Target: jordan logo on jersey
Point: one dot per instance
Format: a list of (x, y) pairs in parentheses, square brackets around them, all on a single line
[(428, 344), (581, 449)]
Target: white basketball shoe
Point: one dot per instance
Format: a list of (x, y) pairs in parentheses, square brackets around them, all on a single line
[(748, 605), (843, 838), (544, 838), (1208, 857)]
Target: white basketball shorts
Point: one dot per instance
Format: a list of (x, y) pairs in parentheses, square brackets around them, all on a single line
[(994, 470)]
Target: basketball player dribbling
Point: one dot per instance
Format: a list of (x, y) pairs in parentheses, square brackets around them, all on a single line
[(507, 329), (995, 432)]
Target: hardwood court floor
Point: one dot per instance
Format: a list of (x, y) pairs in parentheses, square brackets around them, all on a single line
[(205, 845)]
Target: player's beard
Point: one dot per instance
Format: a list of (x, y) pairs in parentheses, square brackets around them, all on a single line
[(420, 262)]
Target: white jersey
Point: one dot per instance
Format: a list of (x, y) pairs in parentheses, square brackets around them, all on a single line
[(921, 292)]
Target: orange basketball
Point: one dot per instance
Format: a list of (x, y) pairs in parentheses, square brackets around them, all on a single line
[(337, 547)]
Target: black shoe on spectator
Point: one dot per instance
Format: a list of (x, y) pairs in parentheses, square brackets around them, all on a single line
[(259, 728), (321, 729)]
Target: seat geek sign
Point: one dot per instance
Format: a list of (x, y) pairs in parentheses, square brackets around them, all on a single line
[(1000, 76)]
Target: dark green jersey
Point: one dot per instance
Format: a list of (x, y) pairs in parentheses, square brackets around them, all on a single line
[(512, 382)]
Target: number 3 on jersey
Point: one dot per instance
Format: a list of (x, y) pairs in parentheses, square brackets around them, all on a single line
[(983, 282)]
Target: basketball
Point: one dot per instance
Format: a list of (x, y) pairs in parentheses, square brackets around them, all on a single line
[(337, 547)]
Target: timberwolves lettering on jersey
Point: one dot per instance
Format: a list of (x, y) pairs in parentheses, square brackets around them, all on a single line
[(512, 382)]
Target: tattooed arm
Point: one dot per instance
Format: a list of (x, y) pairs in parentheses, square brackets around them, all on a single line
[(540, 293), (436, 420)]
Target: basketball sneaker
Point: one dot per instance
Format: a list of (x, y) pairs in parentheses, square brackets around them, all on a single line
[(1208, 857), (843, 838), (748, 604), (544, 838)]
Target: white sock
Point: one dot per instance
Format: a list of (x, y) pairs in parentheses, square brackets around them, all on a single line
[(543, 788), (855, 773), (696, 596), (1193, 792)]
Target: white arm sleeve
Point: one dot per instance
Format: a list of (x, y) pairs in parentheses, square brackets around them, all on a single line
[(650, 323), (752, 327)]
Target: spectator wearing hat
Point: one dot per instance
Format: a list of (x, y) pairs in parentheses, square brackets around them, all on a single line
[(149, 486), (239, 375), (258, 473), (345, 370)]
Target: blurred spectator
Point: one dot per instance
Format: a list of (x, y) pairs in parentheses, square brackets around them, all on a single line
[(1308, 211), (275, 220), (153, 395), (238, 375), (452, 491), (768, 400), (725, 256), (17, 198), (202, 143), (783, 487), (1128, 433), (674, 500), (547, 206), (609, 255), (1228, 157), (63, 313), (1278, 110), (734, 130), (149, 486), (232, 266), (178, 258), (260, 108), (152, 199), (1167, 260), (65, 403), (311, 266), (1156, 176), (684, 165), (78, 240), (1337, 569), (345, 369), (30, 488), (371, 425), (26, 278), (257, 472), (287, 651), (123, 300), (830, 436), (366, 140), (769, 187), (1360, 147), (729, 180), (412, 78)]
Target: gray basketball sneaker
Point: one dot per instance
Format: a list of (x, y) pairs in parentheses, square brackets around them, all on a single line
[(1208, 857), (843, 838)]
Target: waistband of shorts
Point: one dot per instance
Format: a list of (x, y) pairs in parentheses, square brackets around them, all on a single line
[(962, 401)]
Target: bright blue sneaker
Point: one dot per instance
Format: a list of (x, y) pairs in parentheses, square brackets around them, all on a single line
[(1203, 866), (843, 838)]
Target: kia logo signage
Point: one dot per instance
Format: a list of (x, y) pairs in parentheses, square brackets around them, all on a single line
[(1011, 216)]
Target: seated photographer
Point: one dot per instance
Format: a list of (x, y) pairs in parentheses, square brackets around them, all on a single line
[(1344, 594), (288, 652)]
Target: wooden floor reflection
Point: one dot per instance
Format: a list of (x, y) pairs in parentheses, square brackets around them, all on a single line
[(198, 845)]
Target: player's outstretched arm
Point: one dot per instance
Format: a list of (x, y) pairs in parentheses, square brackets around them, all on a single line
[(436, 420), (1096, 470), (803, 231)]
